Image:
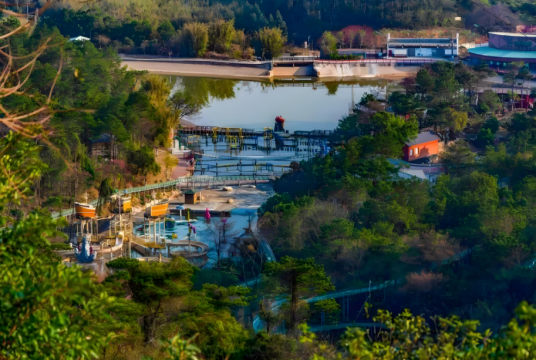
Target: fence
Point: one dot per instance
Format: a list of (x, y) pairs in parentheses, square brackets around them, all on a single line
[(215, 180), (296, 59), (380, 61)]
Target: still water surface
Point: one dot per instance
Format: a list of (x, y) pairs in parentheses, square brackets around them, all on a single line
[(306, 104)]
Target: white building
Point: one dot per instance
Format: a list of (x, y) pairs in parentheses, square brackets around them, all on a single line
[(422, 47)]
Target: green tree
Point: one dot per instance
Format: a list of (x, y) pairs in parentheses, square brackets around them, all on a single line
[(450, 338), (390, 134), (424, 83), (490, 99), (346, 129), (142, 161), (221, 33), (485, 137), (166, 30), (203, 316), (197, 36), (403, 104), (510, 77), (270, 317), (467, 77), (170, 161), (492, 124), (48, 310), (457, 119), (298, 278), (281, 24), (329, 43), (272, 41), (179, 349), (150, 284), (185, 103), (457, 158)]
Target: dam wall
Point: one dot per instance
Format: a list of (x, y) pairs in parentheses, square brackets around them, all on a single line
[(358, 69), (302, 70), (279, 68)]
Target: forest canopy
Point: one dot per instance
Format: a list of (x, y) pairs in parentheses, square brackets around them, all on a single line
[(159, 26)]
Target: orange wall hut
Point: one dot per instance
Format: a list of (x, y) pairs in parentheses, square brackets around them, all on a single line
[(426, 144)]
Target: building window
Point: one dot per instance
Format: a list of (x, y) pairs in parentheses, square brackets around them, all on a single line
[(410, 152), (417, 151)]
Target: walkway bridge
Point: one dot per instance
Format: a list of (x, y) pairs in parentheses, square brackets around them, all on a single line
[(192, 181), (252, 167), (345, 295), (214, 131)]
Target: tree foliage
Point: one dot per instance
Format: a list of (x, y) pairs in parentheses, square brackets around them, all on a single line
[(298, 278), (272, 41)]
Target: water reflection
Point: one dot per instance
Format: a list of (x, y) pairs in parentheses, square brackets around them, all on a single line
[(207, 88), (307, 104)]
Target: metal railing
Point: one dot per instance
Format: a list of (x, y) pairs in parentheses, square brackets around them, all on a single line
[(348, 292), (320, 328), (380, 61), (405, 41), (151, 244), (339, 294), (295, 58), (185, 180)]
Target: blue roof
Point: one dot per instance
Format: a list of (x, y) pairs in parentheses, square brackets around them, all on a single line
[(507, 54)]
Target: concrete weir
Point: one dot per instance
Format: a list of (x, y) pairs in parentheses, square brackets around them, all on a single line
[(281, 67), (359, 69)]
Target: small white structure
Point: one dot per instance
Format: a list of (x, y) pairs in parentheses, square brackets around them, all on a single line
[(79, 38), (422, 47)]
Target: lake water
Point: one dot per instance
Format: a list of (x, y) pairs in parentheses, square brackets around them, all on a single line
[(306, 104)]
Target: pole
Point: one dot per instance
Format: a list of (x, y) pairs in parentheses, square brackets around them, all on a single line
[(189, 231)]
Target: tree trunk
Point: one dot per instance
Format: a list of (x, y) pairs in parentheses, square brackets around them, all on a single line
[(149, 324), (147, 327)]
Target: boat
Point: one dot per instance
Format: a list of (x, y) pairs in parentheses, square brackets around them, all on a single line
[(158, 209), (126, 204), (122, 203), (85, 210)]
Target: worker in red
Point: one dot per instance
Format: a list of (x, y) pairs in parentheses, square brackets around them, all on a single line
[(279, 122)]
